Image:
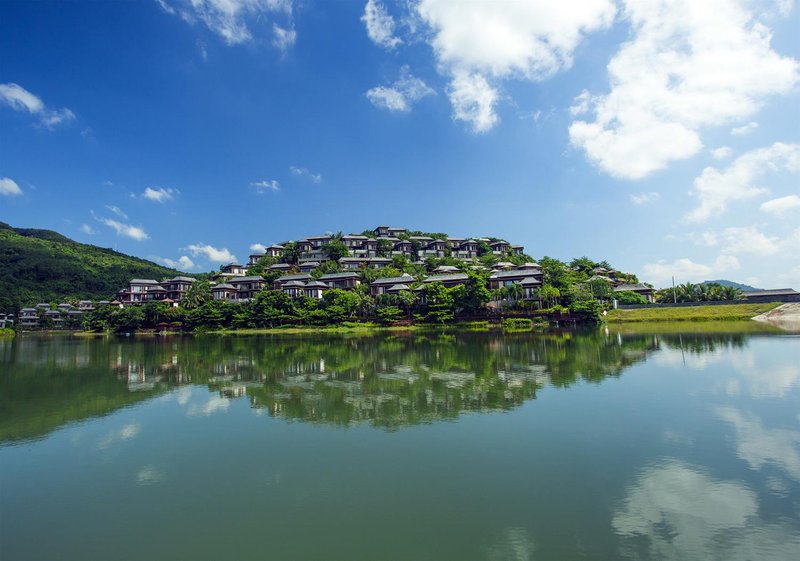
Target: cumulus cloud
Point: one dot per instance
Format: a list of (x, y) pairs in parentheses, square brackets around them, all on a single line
[(304, 172), (689, 65), (402, 94), (749, 240), (127, 230), (88, 230), (258, 248), (781, 205), (183, 263), (661, 272), (479, 44), (159, 194), (227, 18), (20, 99), (744, 129), (265, 186), (211, 253), (213, 405), (645, 198), (721, 153), (380, 25), (9, 187), (715, 188), (127, 432)]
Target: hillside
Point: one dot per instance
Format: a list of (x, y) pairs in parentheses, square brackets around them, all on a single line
[(44, 266), (740, 286)]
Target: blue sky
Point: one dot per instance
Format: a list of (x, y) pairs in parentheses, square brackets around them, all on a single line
[(660, 135)]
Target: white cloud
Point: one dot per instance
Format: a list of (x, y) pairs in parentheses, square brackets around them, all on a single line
[(689, 65), (20, 99), (304, 172), (213, 405), (644, 198), (265, 186), (402, 94), (127, 230), (661, 272), (473, 101), (749, 240), (721, 153), (212, 253), (781, 205), (760, 446), (126, 432), (380, 25), (283, 38), (9, 187), (88, 230), (118, 211), (478, 43), (227, 18), (258, 248), (744, 129), (159, 194), (715, 188), (183, 263)]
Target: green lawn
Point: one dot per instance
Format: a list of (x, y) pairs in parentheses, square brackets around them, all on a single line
[(729, 312)]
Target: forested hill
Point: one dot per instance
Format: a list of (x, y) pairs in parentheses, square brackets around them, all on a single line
[(44, 266)]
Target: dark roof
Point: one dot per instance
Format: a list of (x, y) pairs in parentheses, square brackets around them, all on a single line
[(246, 279), (280, 266), (223, 286), (287, 278), (513, 274), (157, 288), (405, 277), (337, 276), (316, 284), (528, 281), (445, 278), (397, 288), (772, 292), (309, 264), (143, 281), (294, 283), (638, 287), (181, 279)]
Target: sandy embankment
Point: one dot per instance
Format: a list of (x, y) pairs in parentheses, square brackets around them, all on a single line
[(786, 317)]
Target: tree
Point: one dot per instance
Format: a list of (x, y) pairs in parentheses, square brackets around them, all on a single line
[(196, 295), (384, 247), (629, 297), (291, 253), (439, 302), (389, 314), (407, 300), (335, 249)]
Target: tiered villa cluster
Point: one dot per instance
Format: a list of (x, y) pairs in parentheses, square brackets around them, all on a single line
[(375, 251)]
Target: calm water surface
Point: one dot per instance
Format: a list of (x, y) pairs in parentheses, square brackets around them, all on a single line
[(557, 446)]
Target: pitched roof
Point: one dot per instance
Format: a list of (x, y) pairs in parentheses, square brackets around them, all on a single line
[(445, 278), (294, 284), (513, 274), (773, 292), (223, 286), (638, 287), (287, 278), (181, 279), (530, 281), (143, 281), (316, 284), (405, 277), (397, 288), (338, 276), (246, 279)]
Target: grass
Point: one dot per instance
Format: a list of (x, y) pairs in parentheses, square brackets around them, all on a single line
[(684, 327), (730, 312), (7, 332)]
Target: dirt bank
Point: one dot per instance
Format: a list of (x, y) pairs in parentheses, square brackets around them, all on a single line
[(786, 317)]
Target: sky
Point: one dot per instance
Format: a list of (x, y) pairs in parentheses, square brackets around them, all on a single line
[(660, 135)]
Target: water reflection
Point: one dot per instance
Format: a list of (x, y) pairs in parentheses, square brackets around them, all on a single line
[(388, 381), (677, 511)]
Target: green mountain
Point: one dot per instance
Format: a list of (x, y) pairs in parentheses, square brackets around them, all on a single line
[(44, 266), (740, 286)]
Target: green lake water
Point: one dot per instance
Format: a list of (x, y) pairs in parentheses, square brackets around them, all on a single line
[(608, 444)]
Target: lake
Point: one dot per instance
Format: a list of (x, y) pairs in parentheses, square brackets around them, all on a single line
[(607, 444)]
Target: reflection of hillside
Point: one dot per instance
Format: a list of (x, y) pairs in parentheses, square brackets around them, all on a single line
[(387, 380)]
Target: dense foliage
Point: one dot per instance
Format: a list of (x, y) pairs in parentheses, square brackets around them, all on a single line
[(44, 266)]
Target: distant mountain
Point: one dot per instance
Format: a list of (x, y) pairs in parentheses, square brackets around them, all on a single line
[(44, 266), (743, 287)]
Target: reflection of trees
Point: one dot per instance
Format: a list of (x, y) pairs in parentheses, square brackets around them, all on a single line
[(388, 380)]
